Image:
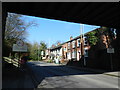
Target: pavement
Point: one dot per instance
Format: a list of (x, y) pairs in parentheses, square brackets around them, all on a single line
[(110, 73)]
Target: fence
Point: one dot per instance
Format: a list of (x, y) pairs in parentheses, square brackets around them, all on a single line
[(15, 62)]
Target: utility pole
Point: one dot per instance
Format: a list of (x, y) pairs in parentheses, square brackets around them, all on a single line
[(83, 46), (82, 42)]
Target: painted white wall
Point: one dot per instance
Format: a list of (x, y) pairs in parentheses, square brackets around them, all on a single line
[(69, 55), (60, 52), (57, 52)]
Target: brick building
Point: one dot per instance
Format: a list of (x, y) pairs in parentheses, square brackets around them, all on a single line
[(71, 49), (79, 51)]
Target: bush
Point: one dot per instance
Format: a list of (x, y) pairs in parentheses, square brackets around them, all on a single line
[(50, 61)]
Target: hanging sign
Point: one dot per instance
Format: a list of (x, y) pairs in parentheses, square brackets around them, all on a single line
[(20, 43), (19, 47)]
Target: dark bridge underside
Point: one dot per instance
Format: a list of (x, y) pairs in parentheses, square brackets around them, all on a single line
[(101, 14)]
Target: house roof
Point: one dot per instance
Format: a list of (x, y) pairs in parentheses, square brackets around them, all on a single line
[(74, 39), (79, 36), (56, 47)]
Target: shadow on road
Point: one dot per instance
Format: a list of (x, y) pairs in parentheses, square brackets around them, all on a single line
[(42, 72), (13, 78)]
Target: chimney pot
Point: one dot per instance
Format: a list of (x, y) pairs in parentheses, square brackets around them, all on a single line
[(71, 38)]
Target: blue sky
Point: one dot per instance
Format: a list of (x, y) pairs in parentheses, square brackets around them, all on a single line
[(50, 30)]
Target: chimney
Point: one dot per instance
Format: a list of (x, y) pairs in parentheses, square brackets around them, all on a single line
[(58, 43), (71, 38), (53, 46)]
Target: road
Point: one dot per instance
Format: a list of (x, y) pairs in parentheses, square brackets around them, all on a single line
[(49, 75)]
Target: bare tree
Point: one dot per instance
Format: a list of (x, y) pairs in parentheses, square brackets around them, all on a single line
[(15, 30)]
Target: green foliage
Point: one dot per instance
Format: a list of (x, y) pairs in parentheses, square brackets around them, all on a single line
[(15, 30), (92, 38), (43, 45), (50, 61), (35, 50)]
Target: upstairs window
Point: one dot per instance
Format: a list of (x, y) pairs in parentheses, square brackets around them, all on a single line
[(65, 49), (85, 41), (73, 44), (69, 45), (78, 43)]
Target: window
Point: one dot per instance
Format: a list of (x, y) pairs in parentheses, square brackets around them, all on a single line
[(73, 44), (47, 52), (78, 43), (69, 55), (86, 53), (74, 54), (69, 45), (65, 49), (85, 41)]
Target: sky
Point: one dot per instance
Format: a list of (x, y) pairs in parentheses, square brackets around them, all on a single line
[(50, 31)]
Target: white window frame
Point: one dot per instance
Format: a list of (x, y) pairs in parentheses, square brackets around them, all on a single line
[(73, 44), (65, 49), (74, 54), (78, 43), (69, 55), (69, 45)]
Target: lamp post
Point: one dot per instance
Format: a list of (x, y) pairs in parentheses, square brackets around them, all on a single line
[(83, 46)]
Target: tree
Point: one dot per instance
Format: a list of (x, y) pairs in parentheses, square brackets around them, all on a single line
[(92, 38), (43, 46), (15, 27), (15, 30), (34, 51), (36, 48), (109, 33)]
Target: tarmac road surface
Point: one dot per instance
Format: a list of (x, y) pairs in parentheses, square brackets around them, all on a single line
[(48, 75)]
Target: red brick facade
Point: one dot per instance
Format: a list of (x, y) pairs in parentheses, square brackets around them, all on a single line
[(72, 49)]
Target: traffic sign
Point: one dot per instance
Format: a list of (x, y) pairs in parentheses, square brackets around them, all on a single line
[(20, 43), (18, 48), (110, 50)]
